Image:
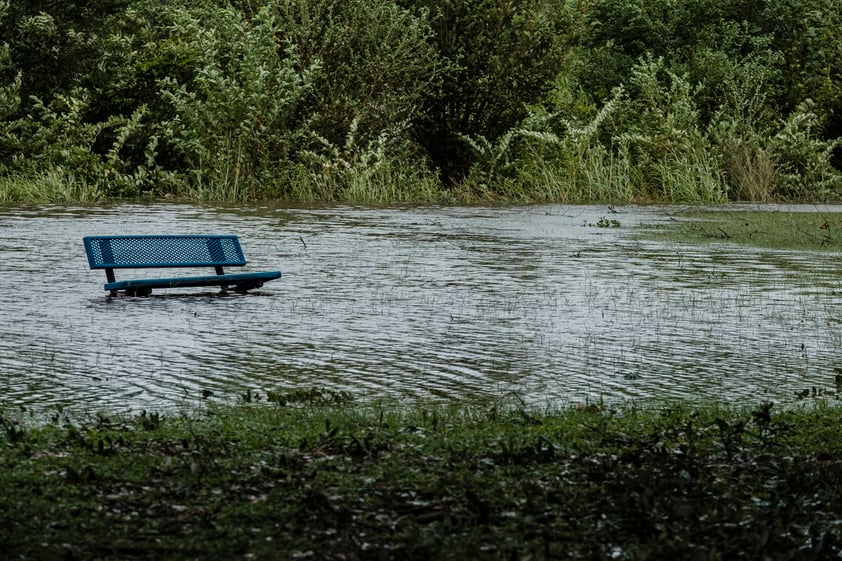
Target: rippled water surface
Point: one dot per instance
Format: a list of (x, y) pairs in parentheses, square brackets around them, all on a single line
[(431, 303)]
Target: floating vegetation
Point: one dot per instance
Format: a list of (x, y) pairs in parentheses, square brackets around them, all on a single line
[(606, 223), (311, 396)]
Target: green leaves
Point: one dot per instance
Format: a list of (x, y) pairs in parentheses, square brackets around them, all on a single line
[(238, 117), (499, 57), (407, 100)]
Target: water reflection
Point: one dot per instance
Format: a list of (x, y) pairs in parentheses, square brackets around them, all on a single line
[(430, 303)]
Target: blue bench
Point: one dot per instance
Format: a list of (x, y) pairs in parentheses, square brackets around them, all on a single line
[(141, 252)]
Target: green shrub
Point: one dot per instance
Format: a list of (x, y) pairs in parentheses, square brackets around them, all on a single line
[(375, 66), (240, 115), (806, 33), (644, 143), (320, 87), (9, 105), (500, 56), (519, 100), (802, 159), (672, 158)]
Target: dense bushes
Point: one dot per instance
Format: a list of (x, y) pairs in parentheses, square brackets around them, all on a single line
[(499, 56), (400, 100)]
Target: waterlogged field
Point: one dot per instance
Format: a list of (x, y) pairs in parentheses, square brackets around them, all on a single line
[(550, 304)]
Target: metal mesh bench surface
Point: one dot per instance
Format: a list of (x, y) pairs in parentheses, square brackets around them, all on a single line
[(114, 252)]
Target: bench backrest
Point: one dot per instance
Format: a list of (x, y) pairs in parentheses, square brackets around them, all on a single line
[(120, 252)]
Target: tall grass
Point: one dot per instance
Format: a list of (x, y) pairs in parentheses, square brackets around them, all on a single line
[(647, 142), (595, 174), (392, 184), (536, 162), (692, 175), (51, 186), (749, 170)]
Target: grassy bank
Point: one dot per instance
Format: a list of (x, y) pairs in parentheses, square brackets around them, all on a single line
[(772, 229), (352, 482)]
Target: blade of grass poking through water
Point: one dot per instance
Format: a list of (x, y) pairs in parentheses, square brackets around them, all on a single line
[(360, 482)]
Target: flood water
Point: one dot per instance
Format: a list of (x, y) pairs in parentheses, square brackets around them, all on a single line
[(447, 304)]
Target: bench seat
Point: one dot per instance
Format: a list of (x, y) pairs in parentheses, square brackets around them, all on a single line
[(241, 282), (172, 251)]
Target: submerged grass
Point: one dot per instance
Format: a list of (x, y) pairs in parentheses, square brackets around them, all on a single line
[(775, 229), (352, 482)]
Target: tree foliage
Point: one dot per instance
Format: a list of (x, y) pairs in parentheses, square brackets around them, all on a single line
[(514, 99)]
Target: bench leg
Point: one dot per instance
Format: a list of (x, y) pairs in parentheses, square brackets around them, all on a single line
[(138, 291), (244, 287)]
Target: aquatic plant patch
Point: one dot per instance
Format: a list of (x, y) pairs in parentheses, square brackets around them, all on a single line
[(773, 229)]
